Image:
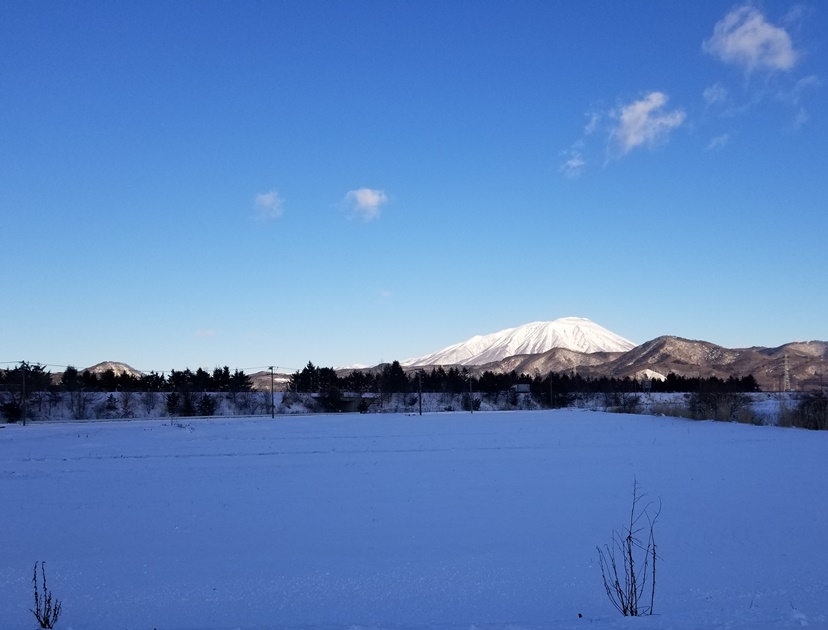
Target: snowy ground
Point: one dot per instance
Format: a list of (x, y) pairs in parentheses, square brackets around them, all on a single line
[(445, 521)]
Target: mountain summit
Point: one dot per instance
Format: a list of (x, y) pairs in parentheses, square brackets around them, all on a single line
[(571, 333), (115, 366)]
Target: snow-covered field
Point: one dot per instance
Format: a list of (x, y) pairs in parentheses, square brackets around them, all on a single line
[(452, 520)]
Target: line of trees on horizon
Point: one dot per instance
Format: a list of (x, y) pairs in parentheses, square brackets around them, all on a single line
[(388, 378), (392, 378), (36, 377), (199, 392), (187, 392)]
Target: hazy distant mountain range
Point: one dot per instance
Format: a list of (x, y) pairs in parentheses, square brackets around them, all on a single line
[(575, 344)]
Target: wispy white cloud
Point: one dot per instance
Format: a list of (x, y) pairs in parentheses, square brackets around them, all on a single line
[(801, 117), (716, 93), (795, 95), (270, 205), (366, 203), (574, 162), (385, 294), (203, 333), (594, 119), (745, 38), (718, 143), (644, 122)]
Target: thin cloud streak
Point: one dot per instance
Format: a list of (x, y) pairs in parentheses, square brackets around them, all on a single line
[(718, 143)]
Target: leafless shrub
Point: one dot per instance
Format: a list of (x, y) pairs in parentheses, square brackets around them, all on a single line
[(46, 611), (127, 404), (622, 402), (627, 563), (812, 411), (746, 415), (786, 416), (720, 406), (149, 400)]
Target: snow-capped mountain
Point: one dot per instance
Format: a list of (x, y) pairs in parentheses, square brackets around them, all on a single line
[(571, 333)]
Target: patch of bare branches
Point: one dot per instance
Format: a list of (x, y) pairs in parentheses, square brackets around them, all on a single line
[(46, 610), (628, 563)]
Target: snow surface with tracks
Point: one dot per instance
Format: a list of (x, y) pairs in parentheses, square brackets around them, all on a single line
[(444, 521)]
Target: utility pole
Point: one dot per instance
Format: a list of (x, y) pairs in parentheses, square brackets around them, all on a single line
[(272, 404), (23, 392), (420, 388)]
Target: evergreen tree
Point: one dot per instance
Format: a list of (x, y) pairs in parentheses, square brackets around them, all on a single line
[(70, 380), (239, 382), (394, 379)]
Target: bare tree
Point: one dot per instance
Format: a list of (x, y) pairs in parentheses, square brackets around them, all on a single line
[(80, 404), (127, 404), (55, 399), (149, 399)]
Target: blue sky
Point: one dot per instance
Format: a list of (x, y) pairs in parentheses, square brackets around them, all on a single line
[(188, 184)]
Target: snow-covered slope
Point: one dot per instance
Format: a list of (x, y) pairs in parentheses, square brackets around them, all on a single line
[(571, 333), (115, 366)]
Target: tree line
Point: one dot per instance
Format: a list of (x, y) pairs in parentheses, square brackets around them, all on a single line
[(200, 392), (392, 378), (35, 377), (388, 378), (29, 389)]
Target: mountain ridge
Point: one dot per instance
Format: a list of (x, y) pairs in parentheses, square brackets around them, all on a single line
[(116, 366), (806, 363), (521, 349)]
